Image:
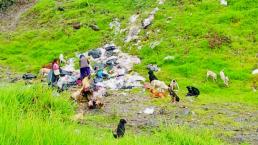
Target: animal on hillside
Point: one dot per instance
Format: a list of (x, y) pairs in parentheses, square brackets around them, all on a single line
[(157, 94), (95, 104), (192, 91), (77, 95), (174, 85), (174, 96), (120, 131), (152, 76), (224, 78), (212, 75), (161, 86)]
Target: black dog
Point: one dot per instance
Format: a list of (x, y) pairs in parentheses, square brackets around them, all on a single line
[(120, 131), (192, 91), (152, 76)]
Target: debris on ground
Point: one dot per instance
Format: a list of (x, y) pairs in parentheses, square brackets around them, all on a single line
[(149, 110), (94, 27), (29, 76), (223, 2), (76, 25), (254, 72), (153, 67), (115, 25), (169, 58), (148, 21)]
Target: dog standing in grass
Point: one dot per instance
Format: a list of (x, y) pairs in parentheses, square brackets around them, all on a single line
[(212, 75), (224, 78), (120, 131)]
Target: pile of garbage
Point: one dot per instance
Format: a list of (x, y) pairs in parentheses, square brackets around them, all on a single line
[(116, 65)]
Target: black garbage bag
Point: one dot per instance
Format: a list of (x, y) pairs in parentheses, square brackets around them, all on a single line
[(110, 48), (29, 76), (95, 53)]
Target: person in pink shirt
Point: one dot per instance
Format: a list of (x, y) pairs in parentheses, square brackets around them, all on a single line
[(56, 69)]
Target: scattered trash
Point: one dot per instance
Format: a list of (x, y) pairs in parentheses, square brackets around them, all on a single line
[(28, 76), (94, 27), (76, 25), (254, 72), (169, 58), (115, 25), (132, 34), (134, 29), (133, 19), (55, 94), (154, 44), (223, 2), (60, 9), (153, 67), (149, 110), (148, 21), (61, 58), (161, 2), (95, 53)]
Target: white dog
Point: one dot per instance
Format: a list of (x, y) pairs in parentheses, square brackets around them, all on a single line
[(161, 86), (212, 75), (224, 78)]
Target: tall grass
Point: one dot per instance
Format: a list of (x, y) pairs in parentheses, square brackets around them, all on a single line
[(31, 115)]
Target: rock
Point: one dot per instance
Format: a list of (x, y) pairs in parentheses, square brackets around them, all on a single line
[(78, 117), (152, 123), (254, 72), (115, 25), (76, 25), (223, 2), (161, 2), (60, 9), (29, 76), (162, 111), (149, 110), (239, 138), (240, 119), (94, 27), (206, 108), (186, 111), (154, 44), (169, 58)]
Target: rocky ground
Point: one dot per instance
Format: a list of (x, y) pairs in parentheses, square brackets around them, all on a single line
[(235, 122), (11, 17)]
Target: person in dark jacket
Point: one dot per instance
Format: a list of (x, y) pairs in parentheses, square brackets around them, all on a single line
[(84, 67)]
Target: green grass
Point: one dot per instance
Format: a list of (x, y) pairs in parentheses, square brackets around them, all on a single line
[(44, 32), (31, 117)]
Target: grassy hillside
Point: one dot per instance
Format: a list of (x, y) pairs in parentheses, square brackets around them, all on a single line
[(199, 34)]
